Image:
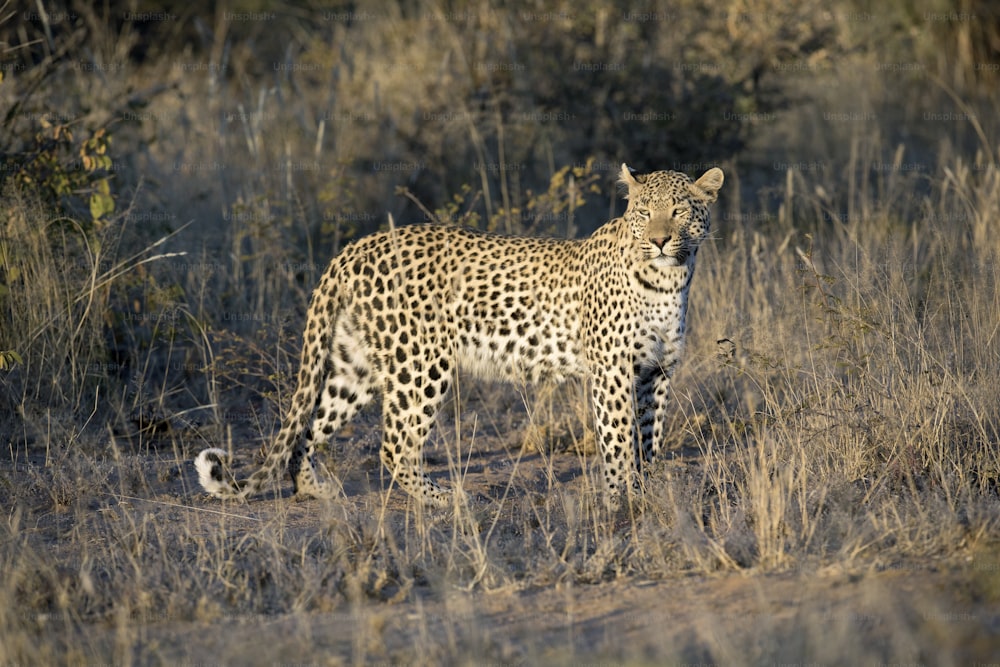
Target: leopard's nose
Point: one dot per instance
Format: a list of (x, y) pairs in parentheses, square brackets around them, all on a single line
[(660, 241)]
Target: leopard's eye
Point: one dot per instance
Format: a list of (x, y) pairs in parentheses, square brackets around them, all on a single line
[(642, 211)]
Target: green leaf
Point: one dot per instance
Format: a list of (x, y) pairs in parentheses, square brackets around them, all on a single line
[(9, 358), (101, 204)]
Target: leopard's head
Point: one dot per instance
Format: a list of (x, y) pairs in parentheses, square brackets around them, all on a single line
[(668, 212)]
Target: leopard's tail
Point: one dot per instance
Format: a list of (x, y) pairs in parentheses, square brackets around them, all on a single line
[(214, 471), (213, 466)]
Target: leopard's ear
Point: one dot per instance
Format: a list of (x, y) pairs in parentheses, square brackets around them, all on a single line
[(631, 182), (707, 187)]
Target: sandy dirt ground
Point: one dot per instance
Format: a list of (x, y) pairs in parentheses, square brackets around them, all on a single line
[(733, 619), (929, 611)]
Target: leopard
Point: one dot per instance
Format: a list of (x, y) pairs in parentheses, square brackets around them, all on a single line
[(399, 313)]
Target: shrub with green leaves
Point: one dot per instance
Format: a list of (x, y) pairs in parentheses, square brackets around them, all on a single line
[(71, 175)]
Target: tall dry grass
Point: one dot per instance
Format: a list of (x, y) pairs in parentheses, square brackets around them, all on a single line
[(861, 380)]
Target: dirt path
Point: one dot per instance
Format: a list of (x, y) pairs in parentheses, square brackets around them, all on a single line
[(170, 544), (929, 617)]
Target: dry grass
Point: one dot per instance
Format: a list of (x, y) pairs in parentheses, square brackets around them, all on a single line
[(831, 493)]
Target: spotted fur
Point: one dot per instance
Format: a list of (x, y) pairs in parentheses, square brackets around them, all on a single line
[(398, 313)]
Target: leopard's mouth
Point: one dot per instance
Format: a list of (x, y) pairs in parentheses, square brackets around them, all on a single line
[(677, 256), (667, 261)]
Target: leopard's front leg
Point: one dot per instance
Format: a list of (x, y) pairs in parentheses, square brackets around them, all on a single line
[(614, 423), (652, 391)]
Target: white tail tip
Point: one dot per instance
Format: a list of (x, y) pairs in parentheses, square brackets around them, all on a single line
[(212, 465)]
